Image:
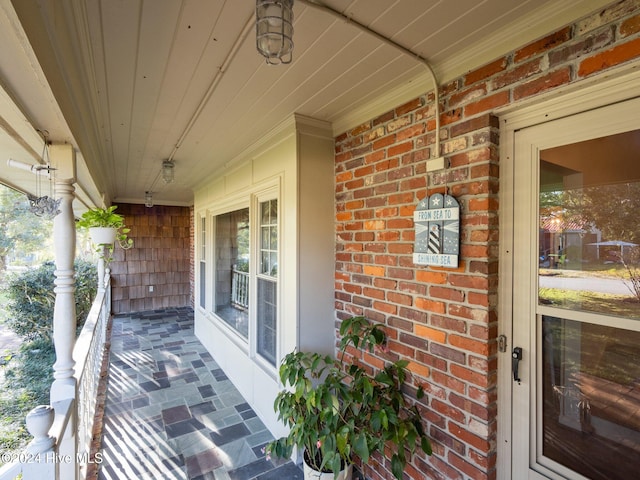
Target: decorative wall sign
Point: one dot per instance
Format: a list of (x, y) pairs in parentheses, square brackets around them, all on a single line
[(437, 231)]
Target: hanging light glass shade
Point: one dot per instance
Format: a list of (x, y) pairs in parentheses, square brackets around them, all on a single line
[(167, 171), (274, 30)]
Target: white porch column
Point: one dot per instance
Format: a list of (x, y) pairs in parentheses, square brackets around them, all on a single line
[(64, 387), (64, 239)]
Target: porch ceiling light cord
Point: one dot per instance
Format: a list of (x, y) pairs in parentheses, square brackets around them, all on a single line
[(397, 46), (248, 27)]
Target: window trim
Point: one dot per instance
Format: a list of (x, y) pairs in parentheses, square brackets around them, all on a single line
[(269, 193), (250, 198), (203, 256)]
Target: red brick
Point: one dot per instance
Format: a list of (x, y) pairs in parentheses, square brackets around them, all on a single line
[(400, 149), (429, 276), (448, 411), (446, 293), (401, 248), (387, 236), (465, 96), (344, 216), (547, 82), (475, 409), (581, 48), (486, 71), (411, 132), (429, 333), (630, 26), (487, 104), (374, 293), (385, 307), (612, 57), (447, 323), (465, 374), (469, 281), (384, 142), (469, 345), (417, 369), (360, 129), (386, 164), (399, 298), (375, 156), (361, 172), (543, 45), (409, 106), (517, 74), (448, 381), (376, 271), (464, 466), (478, 299), (430, 305), (349, 288)]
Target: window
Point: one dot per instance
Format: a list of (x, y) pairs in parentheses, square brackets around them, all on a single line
[(245, 274), (267, 281), (232, 269), (203, 264)]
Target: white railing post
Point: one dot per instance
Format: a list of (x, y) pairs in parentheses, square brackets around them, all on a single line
[(40, 454), (101, 268), (64, 312)]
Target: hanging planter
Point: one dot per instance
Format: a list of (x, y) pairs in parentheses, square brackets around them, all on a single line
[(103, 235), (105, 228)]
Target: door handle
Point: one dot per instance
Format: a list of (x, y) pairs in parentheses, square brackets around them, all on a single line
[(516, 356)]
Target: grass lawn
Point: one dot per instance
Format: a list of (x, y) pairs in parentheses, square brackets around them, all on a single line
[(607, 304)]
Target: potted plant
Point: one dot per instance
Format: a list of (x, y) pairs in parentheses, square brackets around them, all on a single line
[(105, 227), (338, 408)]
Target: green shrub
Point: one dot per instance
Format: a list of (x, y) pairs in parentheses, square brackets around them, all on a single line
[(28, 374), (31, 299)]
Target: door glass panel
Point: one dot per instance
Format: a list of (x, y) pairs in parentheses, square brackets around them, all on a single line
[(589, 226), (591, 395), (589, 261)]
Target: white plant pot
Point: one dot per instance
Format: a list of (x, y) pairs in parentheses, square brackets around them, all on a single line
[(311, 474), (103, 235)]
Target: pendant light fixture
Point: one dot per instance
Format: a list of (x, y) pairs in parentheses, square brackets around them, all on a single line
[(274, 30), (167, 171)]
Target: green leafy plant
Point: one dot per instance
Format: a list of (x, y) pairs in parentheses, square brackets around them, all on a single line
[(107, 218), (31, 299), (336, 409)]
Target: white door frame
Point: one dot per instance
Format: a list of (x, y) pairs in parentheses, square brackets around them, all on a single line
[(614, 86)]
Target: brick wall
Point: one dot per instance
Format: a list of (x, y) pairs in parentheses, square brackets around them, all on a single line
[(160, 257), (444, 321)]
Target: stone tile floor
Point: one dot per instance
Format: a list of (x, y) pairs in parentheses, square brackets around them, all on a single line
[(171, 412)]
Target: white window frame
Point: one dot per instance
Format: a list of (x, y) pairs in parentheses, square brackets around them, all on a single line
[(260, 197), (235, 336), (248, 199), (203, 255)]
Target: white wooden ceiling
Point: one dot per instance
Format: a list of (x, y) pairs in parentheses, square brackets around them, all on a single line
[(134, 82)]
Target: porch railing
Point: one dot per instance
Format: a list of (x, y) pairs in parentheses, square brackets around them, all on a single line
[(62, 433), (240, 288)]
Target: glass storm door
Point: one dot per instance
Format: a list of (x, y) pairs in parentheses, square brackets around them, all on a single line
[(576, 297)]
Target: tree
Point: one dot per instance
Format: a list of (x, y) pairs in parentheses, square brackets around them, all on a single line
[(612, 209), (21, 232)]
